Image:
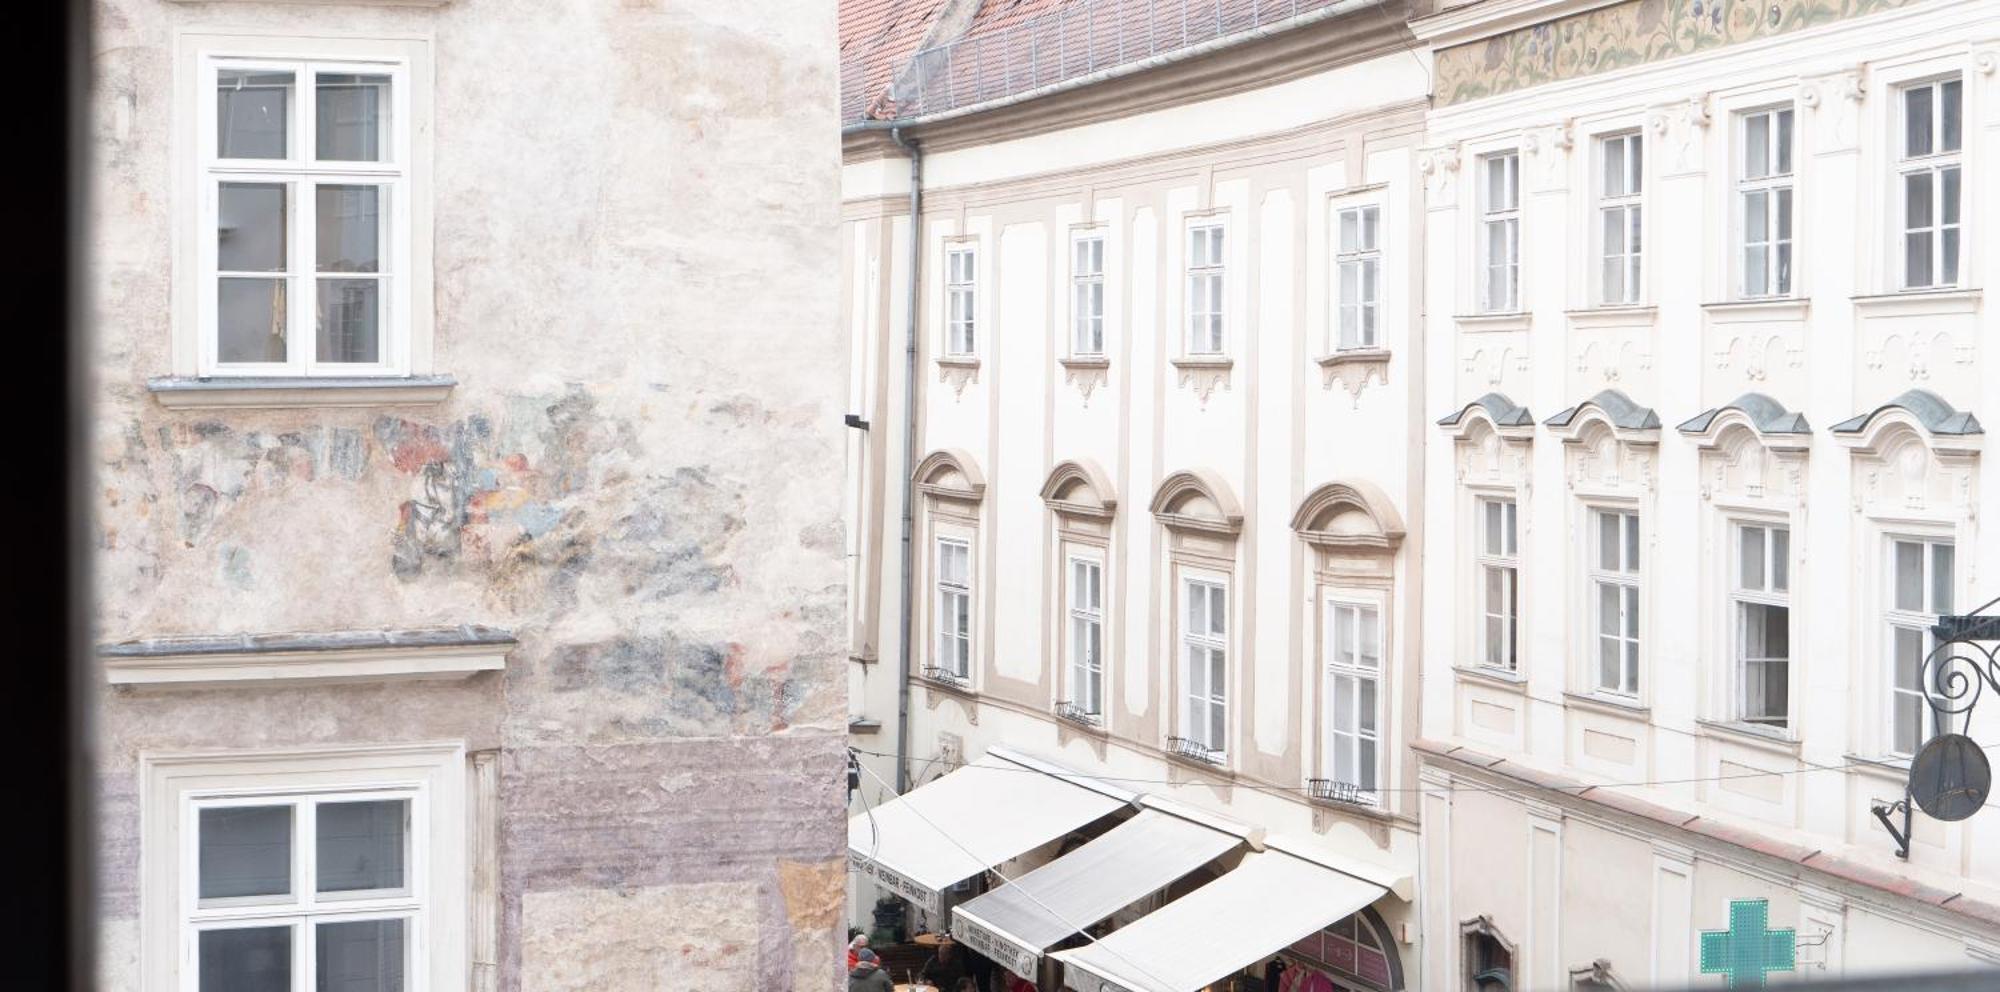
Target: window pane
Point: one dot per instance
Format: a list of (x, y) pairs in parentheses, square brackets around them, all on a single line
[(1216, 611), (1756, 217), (1607, 609), (1607, 541), (1607, 662), (246, 851), (1917, 259), (250, 229), (350, 320), (1493, 536), (251, 959), (365, 956), (1368, 226), (1614, 167), (1496, 184), (1909, 658), (1343, 757), (1629, 596), (1908, 715), (1916, 121), (1371, 639), (1343, 635), (1917, 200), (1785, 142), (1909, 576), (1364, 762), (1766, 631), (1781, 559), (1631, 541), (1343, 703), (1750, 554), (1635, 166), (250, 320), (1948, 196), (1365, 705), (1951, 108), (252, 113), (361, 845), (1941, 566), (1948, 260), (352, 116), (1756, 146), (349, 228), (1350, 230)]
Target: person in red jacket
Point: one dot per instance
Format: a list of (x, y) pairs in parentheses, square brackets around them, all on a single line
[(854, 949)]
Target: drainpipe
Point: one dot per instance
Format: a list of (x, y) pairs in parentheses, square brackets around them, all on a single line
[(909, 455)]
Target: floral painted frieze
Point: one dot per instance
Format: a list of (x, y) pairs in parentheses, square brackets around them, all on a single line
[(1627, 34)]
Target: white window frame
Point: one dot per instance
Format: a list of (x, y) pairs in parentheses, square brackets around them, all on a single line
[(1343, 664), (1500, 215), (405, 346), (1900, 618), (1626, 202), (1627, 579), (1772, 590), (1086, 295), (961, 299), (952, 650), (1198, 709), (1357, 276), (1498, 555), (1206, 286), (1083, 633), (432, 776), (1776, 268), (1941, 165)]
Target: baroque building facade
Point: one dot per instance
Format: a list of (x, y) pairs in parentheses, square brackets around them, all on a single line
[(469, 596), (1704, 288)]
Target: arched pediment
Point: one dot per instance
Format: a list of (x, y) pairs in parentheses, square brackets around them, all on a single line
[(1198, 499), (950, 473), (1628, 421), (1496, 412), (1349, 515), (1763, 417), (1080, 488), (1944, 428)]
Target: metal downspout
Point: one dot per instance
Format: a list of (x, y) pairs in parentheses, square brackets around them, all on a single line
[(909, 455)]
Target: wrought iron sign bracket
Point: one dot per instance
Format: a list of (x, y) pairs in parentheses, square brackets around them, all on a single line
[(1883, 811), (1949, 777)]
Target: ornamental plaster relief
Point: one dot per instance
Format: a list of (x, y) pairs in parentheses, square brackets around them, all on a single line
[(1496, 366), (1678, 133), (1617, 358), (1833, 104), (1900, 477), (1739, 468), (1748, 355), (1439, 167), (1598, 462), (1547, 148)]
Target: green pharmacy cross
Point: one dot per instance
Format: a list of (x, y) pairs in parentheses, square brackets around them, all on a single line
[(1747, 950)]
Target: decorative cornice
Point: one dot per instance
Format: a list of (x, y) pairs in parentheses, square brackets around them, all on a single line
[(307, 658)]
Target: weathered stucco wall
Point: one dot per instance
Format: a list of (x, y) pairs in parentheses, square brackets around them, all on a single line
[(635, 210)]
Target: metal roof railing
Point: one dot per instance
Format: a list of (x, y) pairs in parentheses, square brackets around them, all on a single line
[(1075, 40)]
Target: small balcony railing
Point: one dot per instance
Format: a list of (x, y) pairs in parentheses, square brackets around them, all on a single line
[(1194, 750), (1336, 791), (1076, 714), (945, 676)]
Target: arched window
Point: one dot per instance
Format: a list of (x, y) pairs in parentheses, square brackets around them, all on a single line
[(1080, 496), (1203, 518), (946, 618)]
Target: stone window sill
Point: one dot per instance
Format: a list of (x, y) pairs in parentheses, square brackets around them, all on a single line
[(1497, 677), (1354, 356), (1627, 315), (1918, 303), (290, 392), (295, 659), (958, 362), (1076, 362), (329, 3), (1517, 320), (1763, 309), (1607, 705), (1217, 362), (1219, 769), (1750, 735)]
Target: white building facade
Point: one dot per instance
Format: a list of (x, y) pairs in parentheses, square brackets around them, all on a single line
[(1166, 528), (1704, 293)]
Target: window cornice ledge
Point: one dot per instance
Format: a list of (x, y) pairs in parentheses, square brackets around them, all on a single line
[(1749, 735), (1497, 678), (1507, 320), (330, 3), (289, 392), (435, 653), (1917, 302), (1620, 315), (1759, 308), (1607, 705)]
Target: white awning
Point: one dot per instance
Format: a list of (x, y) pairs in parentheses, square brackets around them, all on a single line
[(1269, 901), (986, 813), (1015, 923)]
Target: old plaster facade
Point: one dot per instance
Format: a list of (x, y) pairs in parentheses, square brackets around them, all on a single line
[(555, 573)]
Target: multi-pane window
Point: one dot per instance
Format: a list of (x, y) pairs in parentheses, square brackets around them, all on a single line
[(1086, 635), (1620, 187), (1920, 591), (1499, 584), (1358, 261), (304, 183), (1086, 276), (1760, 598), (961, 294), (1353, 674), (1927, 177), (1204, 653), (302, 892), (1204, 289), (954, 607), (1614, 598), (1500, 229), (1764, 203)]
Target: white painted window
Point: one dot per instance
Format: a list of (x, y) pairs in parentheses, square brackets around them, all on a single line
[(1204, 654), (305, 242), (1087, 296), (1760, 600), (1930, 147), (1614, 598), (1358, 264), (1353, 694), (954, 607), (1204, 289), (1764, 203), (1920, 590), (1620, 224), (298, 891), (1500, 233), (961, 282), (1086, 635), (1499, 584)]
